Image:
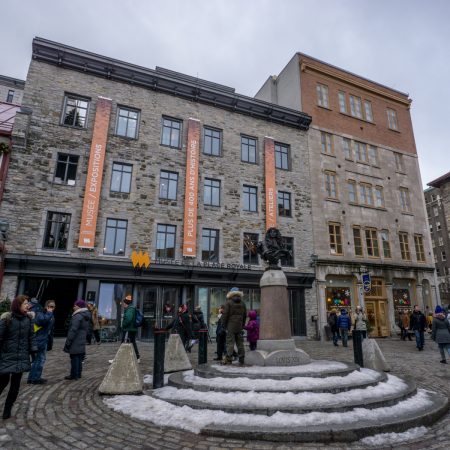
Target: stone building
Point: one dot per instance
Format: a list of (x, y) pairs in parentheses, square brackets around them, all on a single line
[(368, 208), (118, 163), (437, 199)]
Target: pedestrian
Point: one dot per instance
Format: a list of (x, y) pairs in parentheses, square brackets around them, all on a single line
[(441, 332), (182, 325), (221, 335), (129, 328), (405, 326), (95, 324), (17, 343), (75, 343), (344, 324), (198, 322), (332, 322), (418, 323), (234, 316), (252, 328), (360, 319), (43, 323)]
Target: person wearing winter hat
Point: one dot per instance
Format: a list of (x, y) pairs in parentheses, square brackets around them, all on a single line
[(129, 328), (76, 338), (344, 324), (252, 329), (441, 332), (234, 316)]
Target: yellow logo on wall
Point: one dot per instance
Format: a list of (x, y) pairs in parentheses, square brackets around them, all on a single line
[(140, 259)]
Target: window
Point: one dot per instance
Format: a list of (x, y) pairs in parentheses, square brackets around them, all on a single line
[(440, 241), (115, 237), (404, 200), (438, 226), (211, 195), (355, 106), (250, 198), (330, 185), (334, 231), (435, 211), (351, 189), (373, 155), (347, 143), (392, 119), (322, 95), (171, 132), (433, 243), (56, 231), (379, 197), (368, 110), (75, 111), (212, 141), (168, 185), (372, 243), (384, 234), (210, 245), (248, 149), (365, 194), (250, 255), (288, 243), (342, 102), (282, 158), (121, 178), (127, 122), (10, 96), (404, 246), (360, 152), (418, 243), (66, 169), (399, 162), (327, 143), (357, 241), (284, 204), (443, 255), (165, 241)]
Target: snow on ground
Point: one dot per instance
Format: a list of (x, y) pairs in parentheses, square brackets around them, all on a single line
[(393, 385), (311, 368), (297, 383), (394, 438), (162, 413), (148, 379)]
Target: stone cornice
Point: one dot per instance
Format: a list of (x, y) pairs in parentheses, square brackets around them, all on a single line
[(165, 81)]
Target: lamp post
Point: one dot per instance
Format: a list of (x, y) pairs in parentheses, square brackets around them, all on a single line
[(4, 227)]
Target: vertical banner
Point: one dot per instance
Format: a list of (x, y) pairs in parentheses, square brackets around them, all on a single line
[(270, 185), (95, 174), (191, 190)]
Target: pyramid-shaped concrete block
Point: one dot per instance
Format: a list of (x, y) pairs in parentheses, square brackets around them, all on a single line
[(176, 358), (373, 356), (123, 376)]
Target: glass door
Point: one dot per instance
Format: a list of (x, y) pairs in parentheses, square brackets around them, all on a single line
[(147, 303)]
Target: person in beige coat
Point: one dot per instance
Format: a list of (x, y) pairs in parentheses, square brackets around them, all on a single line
[(94, 322)]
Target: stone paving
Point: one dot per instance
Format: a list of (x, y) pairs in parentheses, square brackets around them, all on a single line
[(71, 415)]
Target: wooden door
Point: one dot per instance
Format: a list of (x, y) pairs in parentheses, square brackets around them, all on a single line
[(382, 316), (372, 317)]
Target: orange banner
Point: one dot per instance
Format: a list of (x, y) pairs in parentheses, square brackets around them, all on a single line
[(271, 188), (95, 174), (191, 191)]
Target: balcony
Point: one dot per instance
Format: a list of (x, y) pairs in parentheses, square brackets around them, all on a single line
[(7, 115)]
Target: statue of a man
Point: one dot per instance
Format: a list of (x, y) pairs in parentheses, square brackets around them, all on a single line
[(272, 248)]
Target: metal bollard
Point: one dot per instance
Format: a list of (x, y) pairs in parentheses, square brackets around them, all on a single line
[(357, 348), (158, 358), (203, 347)]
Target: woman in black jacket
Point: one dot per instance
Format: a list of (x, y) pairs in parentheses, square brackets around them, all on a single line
[(17, 343)]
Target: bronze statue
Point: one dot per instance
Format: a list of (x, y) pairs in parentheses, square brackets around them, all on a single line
[(272, 248)]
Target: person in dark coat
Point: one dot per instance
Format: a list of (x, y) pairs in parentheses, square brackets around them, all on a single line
[(234, 316), (76, 338), (43, 325), (129, 328), (252, 329), (17, 343), (221, 335), (198, 322), (182, 326), (344, 324), (440, 332), (418, 323), (332, 322)]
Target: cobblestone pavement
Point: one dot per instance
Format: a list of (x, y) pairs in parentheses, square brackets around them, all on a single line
[(70, 415)]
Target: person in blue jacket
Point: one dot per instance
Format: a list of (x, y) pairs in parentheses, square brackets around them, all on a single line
[(344, 324)]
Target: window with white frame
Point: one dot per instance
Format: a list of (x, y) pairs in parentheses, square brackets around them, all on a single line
[(440, 241), (418, 243), (438, 226), (347, 145), (392, 119), (327, 143), (435, 211), (373, 155), (330, 184), (360, 152), (365, 194), (379, 197), (342, 102), (372, 243), (334, 233), (404, 246), (384, 234), (322, 95), (357, 240), (399, 162), (355, 107), (404, 199), (368, 110), (351, 189)]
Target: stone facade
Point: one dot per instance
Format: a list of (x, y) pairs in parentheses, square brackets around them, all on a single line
[(11, 90)]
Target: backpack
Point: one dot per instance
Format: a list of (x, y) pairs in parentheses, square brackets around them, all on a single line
[(138, 319)]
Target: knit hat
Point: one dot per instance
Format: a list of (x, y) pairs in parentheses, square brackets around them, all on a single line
[(128, 299), (438, 309), (235, 292), (80, 303)]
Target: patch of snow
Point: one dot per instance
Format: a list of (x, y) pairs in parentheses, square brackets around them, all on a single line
[(162, 413), (297, 383), (148, 379), (393, 438)]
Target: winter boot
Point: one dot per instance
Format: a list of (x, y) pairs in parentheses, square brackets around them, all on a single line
[(241, 361)]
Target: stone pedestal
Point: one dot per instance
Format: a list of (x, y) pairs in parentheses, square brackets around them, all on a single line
[(176, 358)]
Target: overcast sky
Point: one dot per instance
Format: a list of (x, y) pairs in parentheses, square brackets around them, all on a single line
[(404, 44)]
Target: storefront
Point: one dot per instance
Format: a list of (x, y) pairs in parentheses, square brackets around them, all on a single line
[(340, 293), (377, 310)]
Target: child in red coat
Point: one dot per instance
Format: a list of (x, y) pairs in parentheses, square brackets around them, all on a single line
[(252, 328)]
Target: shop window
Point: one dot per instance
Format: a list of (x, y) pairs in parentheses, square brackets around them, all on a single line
[(404, 246), (288, 261), (418, 244), (66, 169), (210, 245), (75, 111), (171, 132), (211, 194), (168, 185), (282, 156), (338, 297), (56, 231), (385, 243), (322, 95), (326, 140), (357, 241), (284, 204), (127, 122), (165, 241), (402, 299), (250, 194), (212, 141), (121, 178), (334, 232), (250, 242), (248, 149), (115, 237), (372, 243)]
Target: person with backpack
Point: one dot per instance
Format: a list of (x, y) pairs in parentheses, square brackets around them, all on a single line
[(129, 326), (332, 322), (17, 343), (441, 332), (344, 324)]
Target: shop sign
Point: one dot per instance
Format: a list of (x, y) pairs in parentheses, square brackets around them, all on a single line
[(195, 264), (367, 282), (270, 184), (140, 259)]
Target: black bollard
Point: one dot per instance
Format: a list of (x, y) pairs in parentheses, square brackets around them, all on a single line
[(158, 358), (357, 348), (203, 347)]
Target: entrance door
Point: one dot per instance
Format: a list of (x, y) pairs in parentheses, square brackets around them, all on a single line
[(377, 315)]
